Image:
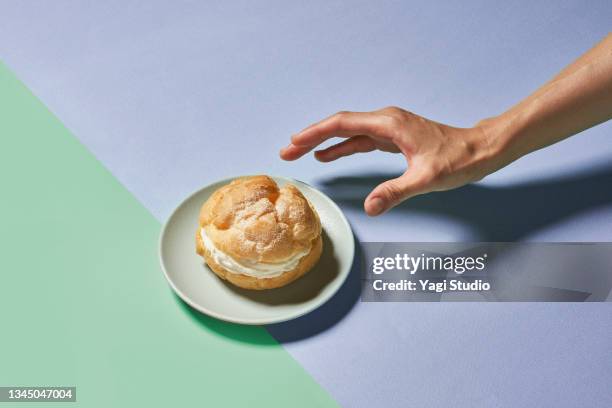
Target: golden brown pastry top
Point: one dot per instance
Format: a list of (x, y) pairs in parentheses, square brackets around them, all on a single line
[(252, 219)]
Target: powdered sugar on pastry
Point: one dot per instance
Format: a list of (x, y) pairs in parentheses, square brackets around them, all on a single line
[(252, 219), (257, 235)]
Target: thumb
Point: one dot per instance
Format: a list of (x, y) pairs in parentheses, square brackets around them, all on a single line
[(392, 192)]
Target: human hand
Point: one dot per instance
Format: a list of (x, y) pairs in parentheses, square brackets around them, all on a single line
[(442, 157), (439, 157)]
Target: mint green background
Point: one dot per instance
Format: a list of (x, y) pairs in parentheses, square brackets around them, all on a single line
[(83, 301)]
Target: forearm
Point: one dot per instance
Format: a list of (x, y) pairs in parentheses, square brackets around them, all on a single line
[(578, 98), (442, 157)]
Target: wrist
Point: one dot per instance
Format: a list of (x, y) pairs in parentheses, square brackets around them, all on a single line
[(499, 134)]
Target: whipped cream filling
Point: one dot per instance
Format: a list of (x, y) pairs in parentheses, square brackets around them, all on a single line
[(250, 268)]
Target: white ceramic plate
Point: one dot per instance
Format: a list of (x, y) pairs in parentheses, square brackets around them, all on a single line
[(199, 287)]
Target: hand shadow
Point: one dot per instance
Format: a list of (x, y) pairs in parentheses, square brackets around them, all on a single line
[(317, 321), (496, 214)]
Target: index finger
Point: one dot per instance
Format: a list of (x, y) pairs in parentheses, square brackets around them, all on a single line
[(341, 124)]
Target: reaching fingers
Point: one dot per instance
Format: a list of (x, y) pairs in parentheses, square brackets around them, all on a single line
[(293, 152), (343, 124), (357, 144), (392, 192)]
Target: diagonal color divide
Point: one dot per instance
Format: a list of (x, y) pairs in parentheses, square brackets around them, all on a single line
[(83, 301)]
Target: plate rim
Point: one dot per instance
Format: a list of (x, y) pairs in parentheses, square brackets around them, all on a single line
[(252, 322)]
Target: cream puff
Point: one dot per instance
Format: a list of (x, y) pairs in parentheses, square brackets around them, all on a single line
[(259, 236)]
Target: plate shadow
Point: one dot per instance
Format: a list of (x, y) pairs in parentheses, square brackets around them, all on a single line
[(312, 323)]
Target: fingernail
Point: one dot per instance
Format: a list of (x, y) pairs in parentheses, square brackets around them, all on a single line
[(376, 206)]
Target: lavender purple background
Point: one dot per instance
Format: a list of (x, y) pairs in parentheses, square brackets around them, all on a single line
[(171, 96)]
